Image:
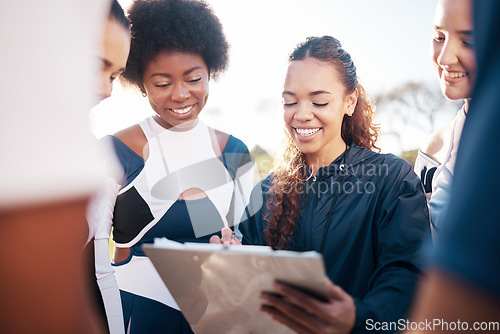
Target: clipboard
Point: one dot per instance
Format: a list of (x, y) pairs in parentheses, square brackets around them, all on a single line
[(218, 287)]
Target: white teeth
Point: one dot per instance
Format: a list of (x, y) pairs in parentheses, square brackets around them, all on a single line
[(182, 111), (307, 132), (454, 74)]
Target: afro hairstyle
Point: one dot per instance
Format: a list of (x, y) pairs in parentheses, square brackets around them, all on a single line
[(188, 26)]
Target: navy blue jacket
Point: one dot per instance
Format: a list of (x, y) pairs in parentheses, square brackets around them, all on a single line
[(378, 225)]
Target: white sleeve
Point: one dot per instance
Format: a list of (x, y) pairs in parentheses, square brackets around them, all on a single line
[(48, 85), (109, 288), (100, 215), (443, 177)]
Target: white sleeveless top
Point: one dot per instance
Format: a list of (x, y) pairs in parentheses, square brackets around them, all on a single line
[(179, 160)]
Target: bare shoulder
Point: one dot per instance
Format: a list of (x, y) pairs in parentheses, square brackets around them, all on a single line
[(438, 142), (135, 139), (222, 139)]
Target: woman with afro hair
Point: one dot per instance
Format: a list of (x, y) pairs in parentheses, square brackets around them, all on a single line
[(182, 180)]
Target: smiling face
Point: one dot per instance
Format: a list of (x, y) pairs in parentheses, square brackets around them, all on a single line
[(176, 84), (315, 103), (453, 54)]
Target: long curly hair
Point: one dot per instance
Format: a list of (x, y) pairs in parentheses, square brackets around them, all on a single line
[(188, 26), (290, 168)]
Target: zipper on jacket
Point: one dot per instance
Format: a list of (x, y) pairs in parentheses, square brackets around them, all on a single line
[(309, 214)]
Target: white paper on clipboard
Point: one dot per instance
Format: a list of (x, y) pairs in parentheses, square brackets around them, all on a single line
[(218, 289)]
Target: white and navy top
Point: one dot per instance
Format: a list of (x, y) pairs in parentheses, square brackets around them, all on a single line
[(147, 205)]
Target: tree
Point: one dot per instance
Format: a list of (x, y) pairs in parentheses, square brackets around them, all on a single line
[(417, 105), (263, 162)]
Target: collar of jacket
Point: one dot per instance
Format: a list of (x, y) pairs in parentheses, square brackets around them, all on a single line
[(353, 156)]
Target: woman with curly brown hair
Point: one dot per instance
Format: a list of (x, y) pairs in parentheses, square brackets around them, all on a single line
[(330, 192)]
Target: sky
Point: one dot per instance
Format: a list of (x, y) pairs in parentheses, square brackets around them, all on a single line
[(389, 41)]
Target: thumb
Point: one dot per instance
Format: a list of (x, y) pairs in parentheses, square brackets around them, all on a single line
[(335, 291), (227, 235)]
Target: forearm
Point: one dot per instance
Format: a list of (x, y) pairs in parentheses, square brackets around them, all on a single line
[(109, 288), (448, 299)]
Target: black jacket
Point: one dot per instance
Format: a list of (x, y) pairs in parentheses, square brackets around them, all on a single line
[(373, 243)]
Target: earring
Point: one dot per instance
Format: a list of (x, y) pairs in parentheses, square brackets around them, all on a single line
[(350, 113), (144, 94)]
